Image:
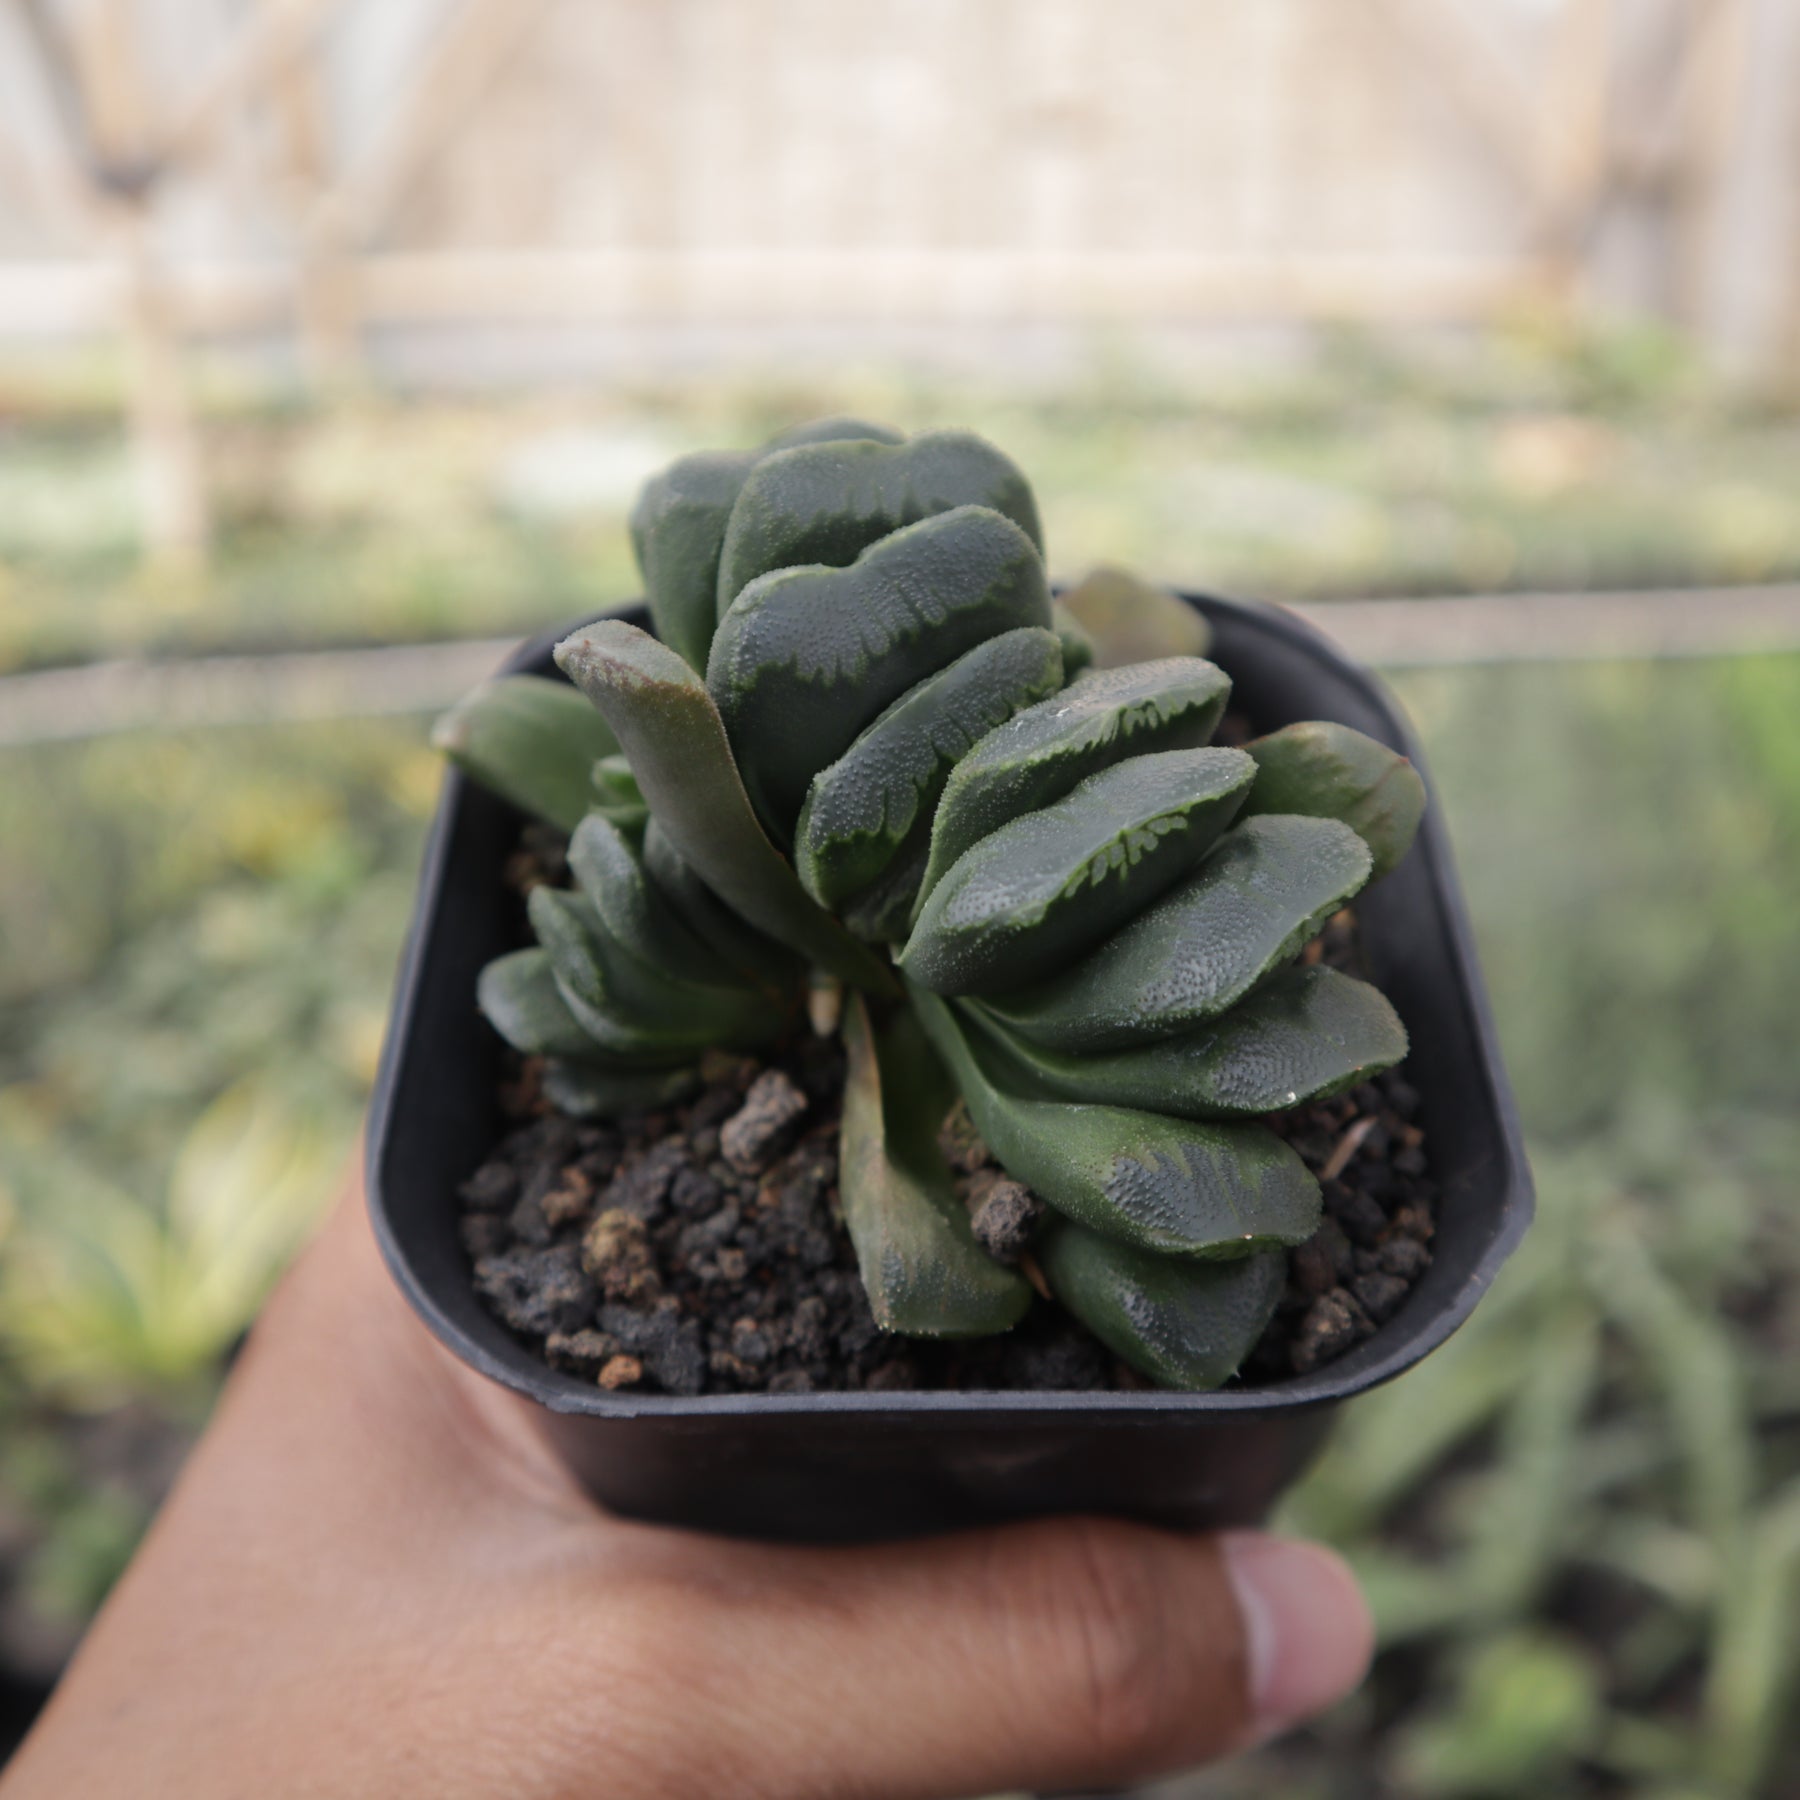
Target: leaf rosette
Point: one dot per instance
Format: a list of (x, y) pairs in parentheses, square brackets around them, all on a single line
[(865, 746)]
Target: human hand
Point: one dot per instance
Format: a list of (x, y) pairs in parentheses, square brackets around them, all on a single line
[(375, 1578)]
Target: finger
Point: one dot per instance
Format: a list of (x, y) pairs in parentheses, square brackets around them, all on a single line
[(1060, 1654)]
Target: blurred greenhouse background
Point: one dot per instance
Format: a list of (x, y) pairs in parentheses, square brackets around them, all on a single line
[(1343, 332)]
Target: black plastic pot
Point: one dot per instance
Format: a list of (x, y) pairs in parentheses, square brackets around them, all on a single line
[(845, 1466)]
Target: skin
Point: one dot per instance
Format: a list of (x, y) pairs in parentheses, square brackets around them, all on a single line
[(375, 1578)]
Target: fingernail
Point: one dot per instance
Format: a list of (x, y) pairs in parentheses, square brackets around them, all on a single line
[(1306, 1625)]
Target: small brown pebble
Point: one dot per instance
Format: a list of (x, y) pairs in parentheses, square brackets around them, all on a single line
[(1415, 1222), (1405, 1257), (1313, 1270), (621, 1371), (1328, 1330), (569, 1199), (616, 1252), (749, 1138), (892, 1376), (582, 1352), (961, 1142), (1003, 1213), (1379, 1295), (791, 1381)]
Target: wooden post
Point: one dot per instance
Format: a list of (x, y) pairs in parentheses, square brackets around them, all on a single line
[(327, 301), (1577, 152), (106, 106)]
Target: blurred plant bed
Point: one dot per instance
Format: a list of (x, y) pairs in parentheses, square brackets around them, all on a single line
[(1536, 456), (1580, 1523)]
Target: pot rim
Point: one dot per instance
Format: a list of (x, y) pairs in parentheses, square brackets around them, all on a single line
[(1402, 1342)]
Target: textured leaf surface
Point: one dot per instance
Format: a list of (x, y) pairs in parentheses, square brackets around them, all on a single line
[(1331, 772), (1266, 888), (827, 503), (750, 954), (924, 1272), (611, 877), (877, 798), (1304, 1034), (670, 730), (678, 529), (1055, 882), (1131, 620), (617, 796), (584, 1092), (530, 739), (627, 1006), (1161, 1183), (807, 657), (519, 997), (1183, 1322), (1037, 757)]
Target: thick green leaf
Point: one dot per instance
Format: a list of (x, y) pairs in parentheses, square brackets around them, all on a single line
[(1130, 620), (924, 1272), (1101, 719), (1053, 883), (751, 955), (1267, 887), (1161, 1183), (519, 997), (1305, 1034), (629, 1008), (876, 800), (671, 731), (678, 529), (1183, 1322), (584, 1092), (617, 796), (532, 740), (827, 503), (611, 878), (807, 657), (1331, 772), (882, 912)]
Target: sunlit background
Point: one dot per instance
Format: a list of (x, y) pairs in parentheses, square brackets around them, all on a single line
[(335, 336)]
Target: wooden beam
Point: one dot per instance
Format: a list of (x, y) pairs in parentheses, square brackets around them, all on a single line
[(470, 54), (278, 34), (1450, 55)]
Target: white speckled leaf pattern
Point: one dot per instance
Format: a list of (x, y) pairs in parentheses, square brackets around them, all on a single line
[(1097, 721), (827, 503), (1304, 1034), (807, 657), (1160, 1183), (1267, 887), (869, 805), (678, 529), (1053, 883)]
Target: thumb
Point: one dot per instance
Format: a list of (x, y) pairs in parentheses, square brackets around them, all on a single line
[(1071, 1653)]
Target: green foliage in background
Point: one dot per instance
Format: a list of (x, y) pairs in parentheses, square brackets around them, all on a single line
[(1579, 1519)]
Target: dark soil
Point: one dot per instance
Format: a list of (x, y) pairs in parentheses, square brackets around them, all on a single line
[(700, 1250)]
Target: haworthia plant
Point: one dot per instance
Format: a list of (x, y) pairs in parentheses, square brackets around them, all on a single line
[(869, 752)]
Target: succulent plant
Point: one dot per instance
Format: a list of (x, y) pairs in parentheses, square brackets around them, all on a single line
[(865, 753)]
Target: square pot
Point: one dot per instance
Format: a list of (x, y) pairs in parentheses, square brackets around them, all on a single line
[(824, 1467)]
